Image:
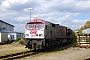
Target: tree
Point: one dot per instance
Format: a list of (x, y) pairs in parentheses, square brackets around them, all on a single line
[(86, 25)]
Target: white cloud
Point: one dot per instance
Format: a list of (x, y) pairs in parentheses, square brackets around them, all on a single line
[(5, 4), (73, 6), (18, 5), (63, 12), (19, 27), (22, 19)]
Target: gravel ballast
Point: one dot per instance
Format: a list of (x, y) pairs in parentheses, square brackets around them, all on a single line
[(67, 54)]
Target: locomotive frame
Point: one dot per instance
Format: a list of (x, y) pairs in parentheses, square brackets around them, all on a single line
[(47, 36)]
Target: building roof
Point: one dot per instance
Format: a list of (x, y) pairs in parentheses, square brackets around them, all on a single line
[(86, 31), (6, 23), (11, 32)]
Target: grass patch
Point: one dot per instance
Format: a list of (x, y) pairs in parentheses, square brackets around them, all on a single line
[(17, 39), (11, 49), (89, 39), (21, 41)]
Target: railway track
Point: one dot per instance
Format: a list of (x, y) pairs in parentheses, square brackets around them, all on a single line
[(8, 42), (83, 46), (18, 55), (87, 59), (2, 43)]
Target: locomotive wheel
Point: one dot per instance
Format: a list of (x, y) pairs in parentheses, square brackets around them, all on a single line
[(43, 47), (46, 45), (34, 46)]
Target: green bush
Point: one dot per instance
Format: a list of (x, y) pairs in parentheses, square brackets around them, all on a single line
[(17, 39), (89, 39), (21, 41), (74, 43)]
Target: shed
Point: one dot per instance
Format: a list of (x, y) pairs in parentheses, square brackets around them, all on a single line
[(4, 26), (14, 35), (86, 31), (3, 37)]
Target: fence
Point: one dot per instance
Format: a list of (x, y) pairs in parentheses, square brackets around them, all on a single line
[(83, 39)]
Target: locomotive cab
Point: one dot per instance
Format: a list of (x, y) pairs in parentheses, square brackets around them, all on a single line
[(34, 34)]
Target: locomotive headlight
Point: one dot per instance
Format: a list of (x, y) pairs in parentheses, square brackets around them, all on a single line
[(26, 35), (36, 34), (40, 34)]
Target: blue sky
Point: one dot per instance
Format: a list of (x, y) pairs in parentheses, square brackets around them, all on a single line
[(70, 13)]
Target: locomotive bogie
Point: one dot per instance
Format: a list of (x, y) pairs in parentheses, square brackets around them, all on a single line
[(34, 44)]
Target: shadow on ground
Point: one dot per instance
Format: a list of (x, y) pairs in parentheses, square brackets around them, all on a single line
[(59, 48)]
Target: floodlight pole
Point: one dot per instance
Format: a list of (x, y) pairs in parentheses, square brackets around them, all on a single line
[(30, 11)]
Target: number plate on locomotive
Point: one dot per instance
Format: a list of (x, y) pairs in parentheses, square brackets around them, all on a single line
[(33, 35)]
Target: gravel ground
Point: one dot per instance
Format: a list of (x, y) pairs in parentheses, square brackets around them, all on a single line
[(11, 49), (67, 54)]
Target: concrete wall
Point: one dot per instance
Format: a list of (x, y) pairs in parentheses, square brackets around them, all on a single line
[(3, 37)]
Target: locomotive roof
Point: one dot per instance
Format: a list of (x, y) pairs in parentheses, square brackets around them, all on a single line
[(45, 22)]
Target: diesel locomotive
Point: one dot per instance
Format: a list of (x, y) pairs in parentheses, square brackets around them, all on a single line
[(41, 34)]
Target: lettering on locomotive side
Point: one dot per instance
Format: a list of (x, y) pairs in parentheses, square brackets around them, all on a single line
[(33, 32)]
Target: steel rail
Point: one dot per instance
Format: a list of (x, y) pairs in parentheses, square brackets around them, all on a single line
[(18, 55)]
